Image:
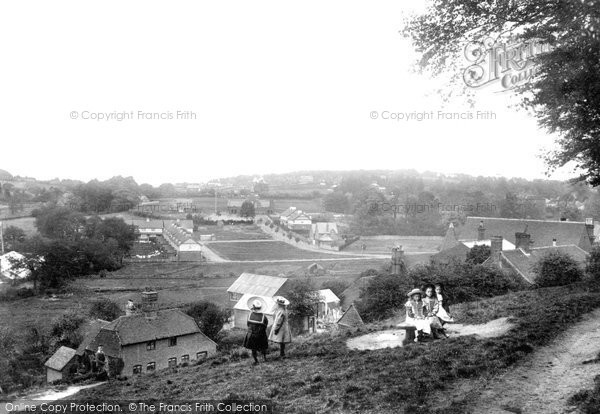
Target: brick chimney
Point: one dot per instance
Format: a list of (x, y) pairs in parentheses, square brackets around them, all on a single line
[(496, 247), (481, 231), (554, 242), (523, 240), (589, 227), (149, 303)]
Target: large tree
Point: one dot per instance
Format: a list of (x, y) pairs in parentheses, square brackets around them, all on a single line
[(565, 92)]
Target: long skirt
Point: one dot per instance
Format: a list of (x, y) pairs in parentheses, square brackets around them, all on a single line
[(434, 322), (421, 324)]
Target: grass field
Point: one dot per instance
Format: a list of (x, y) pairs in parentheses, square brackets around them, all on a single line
[(322, 375), (233, 232), (384, 244), (274, 250), (25, 223)]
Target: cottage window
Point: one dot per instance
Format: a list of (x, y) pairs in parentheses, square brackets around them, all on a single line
[(150, 346), (173, 341), (137, 369), (172, 362), (151, 366), (201, 355), (185, 358)]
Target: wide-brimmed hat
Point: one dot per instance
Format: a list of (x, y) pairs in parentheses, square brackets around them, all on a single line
[(414, 292), (280, 300), (256, 303)]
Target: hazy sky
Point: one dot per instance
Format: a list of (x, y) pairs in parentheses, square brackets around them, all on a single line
[(275, 86)]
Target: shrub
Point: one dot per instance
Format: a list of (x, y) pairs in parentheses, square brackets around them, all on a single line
[(557, 269), (592, 268), (478, 254), (209, 317), (104, 308)]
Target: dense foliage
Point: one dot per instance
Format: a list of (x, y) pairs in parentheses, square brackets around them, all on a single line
[(557, 269), (105, 309), (209, 317)]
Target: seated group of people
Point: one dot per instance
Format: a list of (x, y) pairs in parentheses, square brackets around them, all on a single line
[(428, 310)]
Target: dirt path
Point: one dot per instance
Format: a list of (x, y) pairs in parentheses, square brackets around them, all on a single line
[(544, 382)]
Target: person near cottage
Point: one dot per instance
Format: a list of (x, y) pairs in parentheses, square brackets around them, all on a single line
[(256, 338), (280, 332)]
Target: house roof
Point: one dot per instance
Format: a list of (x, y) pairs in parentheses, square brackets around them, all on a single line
[(257, 284), (523, 262), (450, 240), (90, 330), (242, 304), (288, 212), (61, 358), (159, 224), (298, 215), (542, 231), (324, 227), (138, 328), (351, 318), (179, 235), (328, 296)]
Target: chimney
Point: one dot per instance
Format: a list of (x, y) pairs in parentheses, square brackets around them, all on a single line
[(481, 231), (589, 226), (398, 261), (523, 240), (554, 242), (149, 303), (495, 247)]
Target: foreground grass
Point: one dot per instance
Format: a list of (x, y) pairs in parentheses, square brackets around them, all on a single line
[(322, 375)]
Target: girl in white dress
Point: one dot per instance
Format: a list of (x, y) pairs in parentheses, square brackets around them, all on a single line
[(416, 312), (443, 304)]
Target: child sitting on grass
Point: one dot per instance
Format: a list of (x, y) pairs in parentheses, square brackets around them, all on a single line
[(416, 313)]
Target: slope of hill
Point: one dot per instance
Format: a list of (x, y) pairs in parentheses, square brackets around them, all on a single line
[(323, 375)]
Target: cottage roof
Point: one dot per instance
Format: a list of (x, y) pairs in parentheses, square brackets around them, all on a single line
[(351, 318), (61, 358), (90, 330), (324, 228), (298, 215), (523, 262), (328, 296), (138, 328), (542, 231), (257, 284), (288, 212)]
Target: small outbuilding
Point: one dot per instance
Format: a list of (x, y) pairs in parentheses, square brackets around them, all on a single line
[(62, 365)]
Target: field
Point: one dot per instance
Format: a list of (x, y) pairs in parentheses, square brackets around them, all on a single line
[(25, 223), (233, 232), (267, 250), (322, 375), (384, 244)]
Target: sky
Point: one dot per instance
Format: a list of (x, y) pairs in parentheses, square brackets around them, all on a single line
[(245, 87)]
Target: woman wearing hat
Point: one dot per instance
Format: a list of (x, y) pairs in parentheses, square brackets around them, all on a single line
[(416, 313), (256, 338), (280, 332)]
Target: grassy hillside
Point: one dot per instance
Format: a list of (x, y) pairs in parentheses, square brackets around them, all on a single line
[(323, 375)]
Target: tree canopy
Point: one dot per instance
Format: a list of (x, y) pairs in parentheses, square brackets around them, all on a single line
[(564, 91)]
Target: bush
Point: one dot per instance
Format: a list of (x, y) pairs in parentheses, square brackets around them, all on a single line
[(592, 268), (104, 308), (209, 317), (557, 269)]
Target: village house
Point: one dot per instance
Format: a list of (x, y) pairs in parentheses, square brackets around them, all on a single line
[(521, 260), (283, 217), (261, 207), (148, 228), (328, 308), (325, 235), (478, 231), (188, 249), (151, 340), (62, 365), (298, 221), (250, 286)]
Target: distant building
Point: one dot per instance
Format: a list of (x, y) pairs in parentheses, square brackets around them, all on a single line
[(328, 308), (306, 179), (324, 235), (298, 221), (151, 340), (261, 207), (188, 249), (148, 228), (62, 365)]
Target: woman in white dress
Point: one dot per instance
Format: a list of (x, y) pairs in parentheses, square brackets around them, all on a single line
[(443, 304)]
